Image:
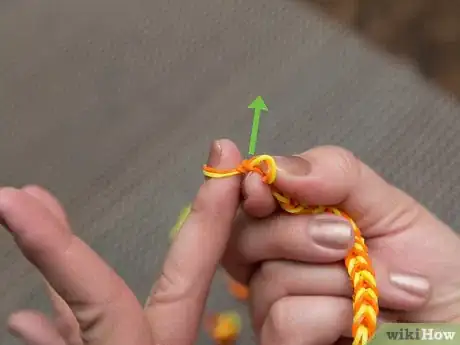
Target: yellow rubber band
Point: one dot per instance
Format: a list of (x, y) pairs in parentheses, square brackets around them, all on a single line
[(358, 263)]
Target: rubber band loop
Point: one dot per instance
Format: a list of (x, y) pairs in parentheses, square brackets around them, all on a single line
[(357, 262)]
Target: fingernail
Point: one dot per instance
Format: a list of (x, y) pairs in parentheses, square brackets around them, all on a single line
[(412, 284), (332, 233), (215, 154), (293, 165)]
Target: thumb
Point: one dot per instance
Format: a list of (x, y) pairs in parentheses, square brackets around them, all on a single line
[(329, 175), (417, 250), (179, 296)]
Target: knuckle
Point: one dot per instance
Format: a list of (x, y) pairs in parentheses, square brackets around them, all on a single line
[(345, 160), (268, 273), (342, 166), (170, 287), (67, 325), (268, 283), (278, 319)]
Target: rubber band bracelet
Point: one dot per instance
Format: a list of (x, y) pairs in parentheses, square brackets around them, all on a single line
[(357, 262)]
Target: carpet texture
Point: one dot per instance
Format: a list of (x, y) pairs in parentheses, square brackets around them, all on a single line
[(112, 105)]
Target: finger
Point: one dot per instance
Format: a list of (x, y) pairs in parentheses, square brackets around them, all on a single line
[(34, 328), (399, 231), (258, 200), (306, 238), (65, 321), (49, 201), (180, 293), (92, 290), (398, 290), (275, 280), (309, 320), (334, 176)]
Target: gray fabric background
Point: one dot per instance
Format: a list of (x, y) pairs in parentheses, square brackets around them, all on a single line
[(112, 105)]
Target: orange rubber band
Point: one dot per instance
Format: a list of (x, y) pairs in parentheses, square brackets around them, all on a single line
[(357, 262), (237, 290), (224, 327)]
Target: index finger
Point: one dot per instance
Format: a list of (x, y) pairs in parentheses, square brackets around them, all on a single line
[(179, 295), (333, 176), (92, 290)]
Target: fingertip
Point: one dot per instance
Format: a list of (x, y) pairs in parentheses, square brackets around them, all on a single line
[(322, 175), (40, 193), (184, 283), (34, 328), (217, 195), (223, 154), (20, 210), (8, 197), (293, 166), (332, 232), (230, 154), (34, 189), (398, 291), (294, 178), (14, 322), (34, 227), (48, 200), (22, 319), (258, 200)]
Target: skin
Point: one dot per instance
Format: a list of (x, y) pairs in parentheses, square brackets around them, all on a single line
[(414, 255), (106, 311)]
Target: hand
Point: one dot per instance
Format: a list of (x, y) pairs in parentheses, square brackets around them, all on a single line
[(414, 254), (93, 304)]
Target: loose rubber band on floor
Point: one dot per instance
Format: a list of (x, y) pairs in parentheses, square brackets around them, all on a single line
[(357, 262)]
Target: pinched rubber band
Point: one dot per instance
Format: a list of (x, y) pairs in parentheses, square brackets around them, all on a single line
[(357, 262)]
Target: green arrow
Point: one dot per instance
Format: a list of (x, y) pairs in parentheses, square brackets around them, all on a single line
[(258, 105)]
